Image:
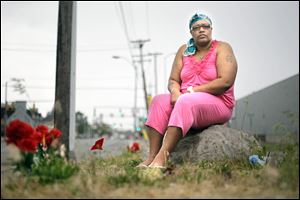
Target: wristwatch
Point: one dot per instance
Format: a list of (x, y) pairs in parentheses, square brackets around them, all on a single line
[(190, 89)]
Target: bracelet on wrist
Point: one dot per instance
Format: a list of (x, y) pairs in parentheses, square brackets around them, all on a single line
[(190, 89)]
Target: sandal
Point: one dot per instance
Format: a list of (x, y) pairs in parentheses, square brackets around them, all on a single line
[(141, 165), (158, 166)]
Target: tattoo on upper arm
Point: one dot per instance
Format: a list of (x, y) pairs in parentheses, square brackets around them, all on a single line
[(229, 58)]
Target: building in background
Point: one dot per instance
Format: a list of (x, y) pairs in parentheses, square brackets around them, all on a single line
[(21, 114), (19, 110), (270, 112)]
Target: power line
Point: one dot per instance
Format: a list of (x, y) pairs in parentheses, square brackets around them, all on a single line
[(123, 20), (25, 49), (132, 19), (78, 88), (54, 50), (106, 78), (147, 19)]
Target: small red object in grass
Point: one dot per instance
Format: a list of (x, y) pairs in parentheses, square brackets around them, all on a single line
[(134, 147), (98, 144)]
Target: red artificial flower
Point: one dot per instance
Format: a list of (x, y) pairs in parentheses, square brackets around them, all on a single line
[(27, 145), (134, 147), (42, 131), (22, 135), (52, 135), (47, 137), (27, 138), (98, 144), (18, 130), (37, 136), (55, 133)]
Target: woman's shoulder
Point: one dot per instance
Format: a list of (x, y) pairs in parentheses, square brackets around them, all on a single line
[(223, 45), (181, 49)]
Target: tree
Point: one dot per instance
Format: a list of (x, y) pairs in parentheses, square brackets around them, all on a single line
[(33, 112), (10, 109), (82, 125), (102, 128)]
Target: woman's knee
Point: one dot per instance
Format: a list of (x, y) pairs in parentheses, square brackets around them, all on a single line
[(161, 99), (183, 101)]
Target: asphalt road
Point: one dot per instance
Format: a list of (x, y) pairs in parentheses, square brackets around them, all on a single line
[(111, 147)]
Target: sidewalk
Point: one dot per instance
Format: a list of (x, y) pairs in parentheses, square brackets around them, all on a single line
[(4, 153), (110, 148), (6, 166)]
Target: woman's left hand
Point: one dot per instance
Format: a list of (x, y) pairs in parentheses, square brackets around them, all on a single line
[(174, 97)]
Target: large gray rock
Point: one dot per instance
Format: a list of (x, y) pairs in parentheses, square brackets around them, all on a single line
[(214, 143)]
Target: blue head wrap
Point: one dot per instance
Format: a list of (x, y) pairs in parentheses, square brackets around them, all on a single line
[(191, 47), (199, 16)]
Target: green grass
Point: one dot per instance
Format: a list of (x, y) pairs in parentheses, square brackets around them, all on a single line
[(52, 170), (117, 177)]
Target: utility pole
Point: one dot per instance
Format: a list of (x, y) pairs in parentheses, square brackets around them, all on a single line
[(155, 70), (64, 109), (140, 45)]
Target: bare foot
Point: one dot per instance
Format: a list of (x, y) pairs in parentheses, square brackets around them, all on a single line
[(146, 162), (160, 160)]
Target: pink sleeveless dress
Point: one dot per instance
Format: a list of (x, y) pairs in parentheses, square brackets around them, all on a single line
[(197, 110)]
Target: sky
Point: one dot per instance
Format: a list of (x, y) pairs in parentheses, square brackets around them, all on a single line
[(264, 37)]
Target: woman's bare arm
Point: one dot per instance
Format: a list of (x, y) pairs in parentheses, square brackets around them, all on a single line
[(226, 70), (174, 80)]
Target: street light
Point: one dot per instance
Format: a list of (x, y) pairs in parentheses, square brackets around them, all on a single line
[(165, 68), (135, 89)]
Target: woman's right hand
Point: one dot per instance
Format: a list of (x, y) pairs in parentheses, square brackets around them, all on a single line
[(174, 97)]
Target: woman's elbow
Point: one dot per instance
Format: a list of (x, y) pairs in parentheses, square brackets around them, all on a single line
[(226, 85)]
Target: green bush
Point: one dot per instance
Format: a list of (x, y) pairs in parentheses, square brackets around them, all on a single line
[(52, 169)]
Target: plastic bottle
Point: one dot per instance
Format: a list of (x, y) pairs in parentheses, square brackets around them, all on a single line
[(254, 160)]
